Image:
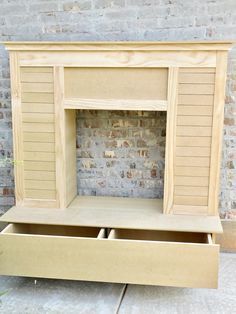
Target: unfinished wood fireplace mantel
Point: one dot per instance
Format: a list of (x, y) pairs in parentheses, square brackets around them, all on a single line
[(143, 241)]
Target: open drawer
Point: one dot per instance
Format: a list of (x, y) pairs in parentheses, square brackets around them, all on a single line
[(49, 251), (165, 258), (127, 256)]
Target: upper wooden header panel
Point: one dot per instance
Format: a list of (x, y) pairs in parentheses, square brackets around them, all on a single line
[(74, 46)]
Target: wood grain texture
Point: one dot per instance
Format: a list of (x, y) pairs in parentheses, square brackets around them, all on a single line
[(170, 140), (120, 45), (193, 140), (122, 58), (217, 132), (192, 171), (38, 196), (114, 104), (196, 100), (70, 156), (192, 161), (17, 128), (182, 190), (38, 136)]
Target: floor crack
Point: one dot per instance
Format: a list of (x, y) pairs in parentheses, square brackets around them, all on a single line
[(123, 291)]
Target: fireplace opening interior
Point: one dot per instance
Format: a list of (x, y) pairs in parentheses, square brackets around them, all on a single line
[(120, 153)]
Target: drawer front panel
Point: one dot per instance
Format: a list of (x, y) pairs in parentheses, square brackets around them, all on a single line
[(110, 260), (38, 128)]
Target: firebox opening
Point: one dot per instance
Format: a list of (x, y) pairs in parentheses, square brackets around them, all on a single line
[(120, 153)]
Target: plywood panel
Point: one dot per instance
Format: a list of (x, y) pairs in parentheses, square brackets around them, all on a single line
[(193, 141), (39, 175), (39, 184), (38, 87), (38, 117), (196, 89), (38, 147), (39, 137), (38, 124), (199, 100), (196, 78), (194, 70), (39, 156), (192, 171), (191, 200), (186, 110), (39, 127), (191, 181), (39, 165), (37, 107), (191, 191), (116, 83), (193, 161), (40, 194), (40, 69), (193, 131), (193, 151), (37, 97), (194, 120), (39, 77)]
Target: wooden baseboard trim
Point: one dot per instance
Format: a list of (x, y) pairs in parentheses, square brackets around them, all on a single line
[(227, 240)]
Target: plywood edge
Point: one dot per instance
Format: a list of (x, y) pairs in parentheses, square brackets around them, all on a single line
[(227, 239)]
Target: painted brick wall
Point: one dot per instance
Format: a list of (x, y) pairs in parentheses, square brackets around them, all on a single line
[(118, 20), (121, 153)]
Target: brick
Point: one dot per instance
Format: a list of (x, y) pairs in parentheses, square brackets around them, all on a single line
[(103, 4), (43, 7), (77, 6)]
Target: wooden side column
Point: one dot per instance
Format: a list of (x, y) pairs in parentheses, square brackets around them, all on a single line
[(17, 128), (65, 132), (217, 131), (170, 139)]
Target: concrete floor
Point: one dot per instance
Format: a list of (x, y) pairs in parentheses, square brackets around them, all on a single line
[(73, 297)]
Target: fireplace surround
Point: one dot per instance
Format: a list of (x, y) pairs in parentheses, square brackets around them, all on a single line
[(52, 231)]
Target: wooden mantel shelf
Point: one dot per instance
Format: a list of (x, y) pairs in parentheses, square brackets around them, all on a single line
[(114, 212), (119, 45)]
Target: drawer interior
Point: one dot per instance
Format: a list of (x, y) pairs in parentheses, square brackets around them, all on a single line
[(53, 230), (168, 236)]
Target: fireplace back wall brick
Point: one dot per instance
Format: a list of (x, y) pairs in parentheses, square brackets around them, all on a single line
[(121, 153)]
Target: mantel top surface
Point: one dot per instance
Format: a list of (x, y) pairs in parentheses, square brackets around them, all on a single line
[(119, 45)]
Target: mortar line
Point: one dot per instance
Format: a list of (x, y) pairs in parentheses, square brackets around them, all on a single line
[(122, 295)]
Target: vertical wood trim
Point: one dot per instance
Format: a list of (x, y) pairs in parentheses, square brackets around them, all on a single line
[(60, 136), (17, 128), (217, 131), (170, 139)]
